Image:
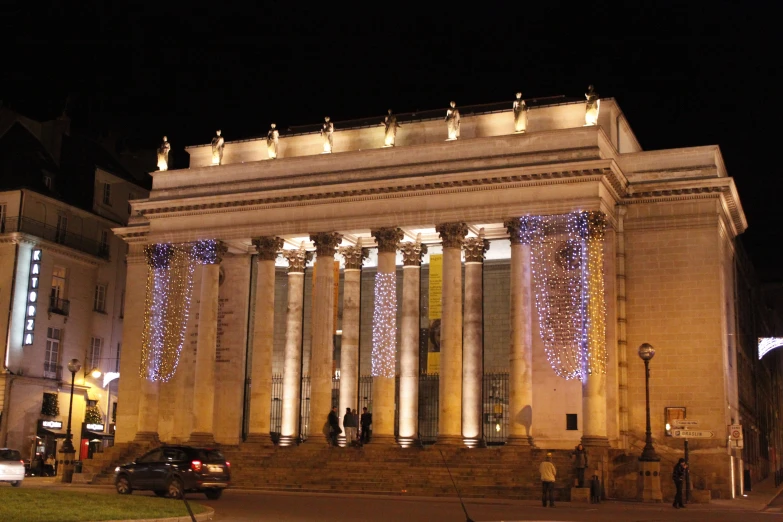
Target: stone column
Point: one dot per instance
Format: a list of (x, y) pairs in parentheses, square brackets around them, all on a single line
[(323, 332), (384, 350), (409, 343), (594, 359), (520, 402), (349, 349), (450, 382), (473, 342), (268, 249), (292, 363), (206, 350), (622, 346), (149, 391)]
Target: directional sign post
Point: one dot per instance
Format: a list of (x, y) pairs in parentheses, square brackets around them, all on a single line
[(692, 434)]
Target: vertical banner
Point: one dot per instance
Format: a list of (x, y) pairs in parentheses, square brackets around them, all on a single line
[(435, 312)]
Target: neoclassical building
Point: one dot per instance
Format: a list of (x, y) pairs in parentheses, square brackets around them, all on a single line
[(537, 246)]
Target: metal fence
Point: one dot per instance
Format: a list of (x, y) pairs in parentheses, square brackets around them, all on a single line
[(495, 406)]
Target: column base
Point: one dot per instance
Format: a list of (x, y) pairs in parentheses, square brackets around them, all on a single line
[(472, 442), (520, 440), (65, 467), (287, 441), (200, 437), (382, 440), (650, 481), (259, 438), (147, 436), (408, 442), (450, 440), (595, 442)]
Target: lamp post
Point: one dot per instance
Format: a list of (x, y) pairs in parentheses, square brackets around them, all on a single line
[(68, 452), (647, 352), (649, 462)]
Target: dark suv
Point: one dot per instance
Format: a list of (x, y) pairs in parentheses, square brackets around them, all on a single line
[(172, 471)]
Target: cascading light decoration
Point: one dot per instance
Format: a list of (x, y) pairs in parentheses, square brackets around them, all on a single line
[(169, 290), (384, 326), (567, 268)]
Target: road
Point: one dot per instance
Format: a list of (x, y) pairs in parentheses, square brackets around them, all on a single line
[(254, 506)]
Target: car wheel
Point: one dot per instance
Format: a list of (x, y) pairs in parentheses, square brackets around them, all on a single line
[(213, 494), (160, 492), (175, 488), (16, 483), (123, 486)]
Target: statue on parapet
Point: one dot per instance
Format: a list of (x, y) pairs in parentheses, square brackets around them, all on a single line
[(452, 121), (272, 139), (217, 148), (327, 134), (592, 105), (390, 135), (163, 154), (520, 114)]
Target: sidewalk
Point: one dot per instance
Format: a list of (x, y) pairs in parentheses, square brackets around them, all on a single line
[(759, 498)]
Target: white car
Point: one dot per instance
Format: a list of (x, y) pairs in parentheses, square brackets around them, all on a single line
[(11, 467)]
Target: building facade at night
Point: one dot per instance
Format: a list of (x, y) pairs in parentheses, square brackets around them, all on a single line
[(485, 283)]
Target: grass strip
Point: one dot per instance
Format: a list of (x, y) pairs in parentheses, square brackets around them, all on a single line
[(40, 505)]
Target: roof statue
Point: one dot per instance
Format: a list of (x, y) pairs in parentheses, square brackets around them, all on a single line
[(217, 148), (452, 121), (272, 141), (520, 114), (592, 106), (327, 133), (390, 134), (163, 154)]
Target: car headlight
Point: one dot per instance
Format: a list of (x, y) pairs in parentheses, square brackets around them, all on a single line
[(117, 469)]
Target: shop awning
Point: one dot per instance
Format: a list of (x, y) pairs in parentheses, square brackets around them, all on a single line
[(86, 434), (43, 432)]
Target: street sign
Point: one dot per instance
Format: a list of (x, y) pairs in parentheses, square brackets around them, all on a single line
[(693, 434), (685, 423), (735, 431)]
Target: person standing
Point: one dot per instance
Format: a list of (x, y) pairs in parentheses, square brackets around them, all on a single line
[(678, 476), (349, 423), (580, 460), (334, 426), (366, 422), (548, 475)]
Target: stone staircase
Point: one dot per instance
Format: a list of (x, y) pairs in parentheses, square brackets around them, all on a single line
[(100, 468), (496, 472)]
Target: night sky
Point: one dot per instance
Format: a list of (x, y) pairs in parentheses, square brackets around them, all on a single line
[(685, 74)]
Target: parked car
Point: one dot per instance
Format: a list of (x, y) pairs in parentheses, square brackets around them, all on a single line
[(172, 471), (11, 467)]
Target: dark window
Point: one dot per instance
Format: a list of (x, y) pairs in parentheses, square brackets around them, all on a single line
[(210, 456), (9, 454), (571, 422), (153, 456), (174, 454)]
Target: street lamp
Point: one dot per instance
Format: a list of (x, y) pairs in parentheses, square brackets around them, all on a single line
[(68, 452), (647, 352)]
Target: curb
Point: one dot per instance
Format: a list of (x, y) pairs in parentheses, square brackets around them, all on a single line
[(201, 517)]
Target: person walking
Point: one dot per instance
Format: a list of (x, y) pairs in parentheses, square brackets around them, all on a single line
[(580, 461), (334, 426), (678, 476), (548, 475), (349, 423), (366, 422)]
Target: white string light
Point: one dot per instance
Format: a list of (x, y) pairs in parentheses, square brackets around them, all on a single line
[(384, 326)]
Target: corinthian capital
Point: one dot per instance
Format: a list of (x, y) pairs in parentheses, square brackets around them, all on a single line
[(520, 230), (412, 253), (297, 259), (593, 224), (387, 238), (268, 247), (354, 255), (452, 234), (326, 243), (208, 251), (475, 248)]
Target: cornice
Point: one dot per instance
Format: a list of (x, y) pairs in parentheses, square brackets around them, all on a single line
[(77, 255)]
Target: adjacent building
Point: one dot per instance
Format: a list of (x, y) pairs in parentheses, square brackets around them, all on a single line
[(62, 283)]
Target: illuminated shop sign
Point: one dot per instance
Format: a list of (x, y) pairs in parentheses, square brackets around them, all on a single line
[(32, 296), (767, 344), (94, 427), (52, 425)]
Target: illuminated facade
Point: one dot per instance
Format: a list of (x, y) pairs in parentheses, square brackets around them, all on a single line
[(549, 254)]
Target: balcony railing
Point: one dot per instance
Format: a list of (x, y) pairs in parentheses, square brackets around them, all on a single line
[(52, 371), (57, 235), (59, 306)]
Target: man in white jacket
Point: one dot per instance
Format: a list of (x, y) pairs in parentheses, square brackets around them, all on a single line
[(548, 475)]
